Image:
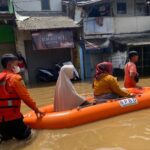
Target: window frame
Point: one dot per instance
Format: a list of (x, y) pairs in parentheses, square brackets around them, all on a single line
[(3, 6), (121, 3), (43, 8)]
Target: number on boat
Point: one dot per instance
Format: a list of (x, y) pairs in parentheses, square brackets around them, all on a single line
[(128, 102)]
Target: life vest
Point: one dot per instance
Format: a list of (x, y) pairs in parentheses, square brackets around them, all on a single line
[(9, 101)]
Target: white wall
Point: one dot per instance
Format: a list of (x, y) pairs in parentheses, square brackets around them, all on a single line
[(35, 5), (27, 5), (132, 24), (117, 25), (55, 5), (91, 25)]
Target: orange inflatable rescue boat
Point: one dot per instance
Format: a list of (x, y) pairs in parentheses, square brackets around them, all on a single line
[(75, 117)]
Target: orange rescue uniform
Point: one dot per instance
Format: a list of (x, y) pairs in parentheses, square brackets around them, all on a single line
[(12, 92)]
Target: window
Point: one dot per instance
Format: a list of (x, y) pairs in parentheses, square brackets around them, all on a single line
[(99, 10), (45, 4), (121, 7), (141, 8), (3, 5)]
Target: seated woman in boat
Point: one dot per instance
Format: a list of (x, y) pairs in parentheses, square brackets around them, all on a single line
[(66, 97), (105, 85)]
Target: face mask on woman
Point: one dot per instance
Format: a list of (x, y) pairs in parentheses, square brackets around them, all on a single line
[(16, 69)]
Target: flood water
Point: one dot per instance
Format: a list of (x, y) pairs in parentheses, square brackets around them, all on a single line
[(125, 132)]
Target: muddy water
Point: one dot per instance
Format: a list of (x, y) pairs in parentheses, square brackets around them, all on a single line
[(125, 132)]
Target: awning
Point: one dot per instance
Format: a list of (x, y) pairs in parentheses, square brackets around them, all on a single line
[(133, 40), (84, 3), (90, 2), (97, 44), (48, 22)]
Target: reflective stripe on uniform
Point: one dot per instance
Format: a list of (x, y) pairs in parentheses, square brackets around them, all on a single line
[(9, 107), (6, 99), (10, 103)]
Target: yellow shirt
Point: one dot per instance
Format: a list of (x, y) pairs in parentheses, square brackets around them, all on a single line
[(108, 84)]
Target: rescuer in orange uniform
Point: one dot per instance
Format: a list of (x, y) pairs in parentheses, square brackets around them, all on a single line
[(12, 91)]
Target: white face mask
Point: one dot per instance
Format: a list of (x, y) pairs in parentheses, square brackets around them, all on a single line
[(16, 69)]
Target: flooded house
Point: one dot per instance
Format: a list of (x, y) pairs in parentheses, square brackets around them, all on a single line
[(44, 35), (111, 28)]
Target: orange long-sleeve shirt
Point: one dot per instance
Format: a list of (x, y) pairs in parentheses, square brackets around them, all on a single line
[(16, 85)]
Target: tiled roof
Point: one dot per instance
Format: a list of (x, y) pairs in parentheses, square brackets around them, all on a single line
[(48, 22)]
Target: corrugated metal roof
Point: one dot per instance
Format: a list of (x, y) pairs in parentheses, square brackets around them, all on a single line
[(133, 40), (37, 23), (92, 44), (87, 2), (90, 2)]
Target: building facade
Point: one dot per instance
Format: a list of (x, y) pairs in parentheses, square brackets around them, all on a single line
[(110, 29), (44, 35)]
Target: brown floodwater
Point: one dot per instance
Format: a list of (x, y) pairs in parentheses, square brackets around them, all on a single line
[(125, 132)]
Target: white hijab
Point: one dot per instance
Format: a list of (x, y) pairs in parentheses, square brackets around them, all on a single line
[(66, 97)]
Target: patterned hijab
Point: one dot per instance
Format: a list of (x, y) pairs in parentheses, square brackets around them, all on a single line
[(104, 67)]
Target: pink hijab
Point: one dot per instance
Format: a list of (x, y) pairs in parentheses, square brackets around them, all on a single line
[(66, 97), (104, 67)]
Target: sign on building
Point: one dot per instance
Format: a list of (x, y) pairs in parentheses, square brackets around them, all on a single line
[(52, 39)]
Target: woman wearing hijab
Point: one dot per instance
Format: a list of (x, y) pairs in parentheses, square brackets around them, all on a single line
[(66, 97), (105, 85)]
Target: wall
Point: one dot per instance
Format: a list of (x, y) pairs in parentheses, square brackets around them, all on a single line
[(93, 25), (27, 5), (35, 5), (7, 48), (7, 40), (55, 5), (6, 34), (117, 25), (21, 36), (132, 24), (130, 8)]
